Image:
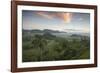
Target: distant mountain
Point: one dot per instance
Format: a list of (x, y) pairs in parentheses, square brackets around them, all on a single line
[(75, 35), (56, 32), (44, 31), (53, 31)]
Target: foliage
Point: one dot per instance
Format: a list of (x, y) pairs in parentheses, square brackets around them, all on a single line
[(48, 47)]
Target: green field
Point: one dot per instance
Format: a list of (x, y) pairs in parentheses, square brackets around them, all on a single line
[(49, 47)]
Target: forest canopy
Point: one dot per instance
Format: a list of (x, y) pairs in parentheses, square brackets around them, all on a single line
[(51, 46)]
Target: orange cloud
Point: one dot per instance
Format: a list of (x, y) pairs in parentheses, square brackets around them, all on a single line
[(65, 17), (44, 15)]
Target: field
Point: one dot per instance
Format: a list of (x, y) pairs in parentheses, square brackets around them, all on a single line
[(49, 45)]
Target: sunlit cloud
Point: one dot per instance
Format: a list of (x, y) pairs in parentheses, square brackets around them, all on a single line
[(43, 14), (65, 17)]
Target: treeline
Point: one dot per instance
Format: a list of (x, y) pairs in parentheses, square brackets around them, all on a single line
[(48, 47)]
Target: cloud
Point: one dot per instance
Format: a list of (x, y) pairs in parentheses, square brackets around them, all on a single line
[(43, 14), (65, 17)]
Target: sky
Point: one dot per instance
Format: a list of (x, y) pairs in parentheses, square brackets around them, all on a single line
[(61, 21)]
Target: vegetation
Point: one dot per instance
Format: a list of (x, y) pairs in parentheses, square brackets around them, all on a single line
[(48, 47)]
